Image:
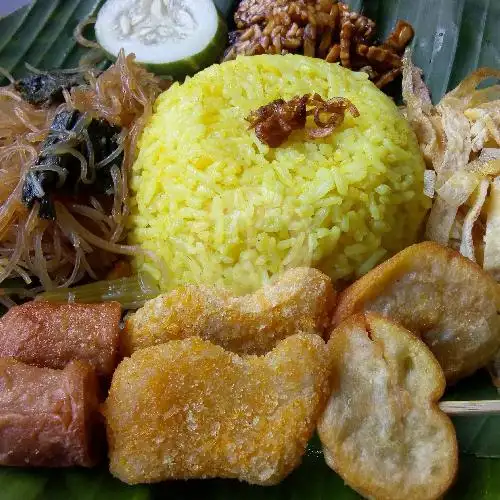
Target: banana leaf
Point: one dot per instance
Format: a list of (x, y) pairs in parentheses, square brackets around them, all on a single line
[(453, 37), (477, 435)]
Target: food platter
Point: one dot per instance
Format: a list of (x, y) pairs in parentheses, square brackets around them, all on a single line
[(452, 39)]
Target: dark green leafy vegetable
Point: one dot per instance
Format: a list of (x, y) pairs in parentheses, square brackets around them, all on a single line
[(47, 88), (78, 152)]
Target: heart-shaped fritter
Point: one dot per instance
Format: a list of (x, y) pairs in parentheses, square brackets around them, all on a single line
[(438, 294), (299, 301), (382, 430), (189, 409)]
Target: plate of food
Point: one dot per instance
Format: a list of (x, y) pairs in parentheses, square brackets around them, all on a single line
[(250, 249)]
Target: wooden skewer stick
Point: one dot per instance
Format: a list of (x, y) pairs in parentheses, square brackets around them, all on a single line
[(486, 407)]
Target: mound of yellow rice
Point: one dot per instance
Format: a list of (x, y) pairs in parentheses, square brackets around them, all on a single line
[(220, 207)]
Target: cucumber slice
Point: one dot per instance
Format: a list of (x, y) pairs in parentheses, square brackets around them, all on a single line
[(171, 37)]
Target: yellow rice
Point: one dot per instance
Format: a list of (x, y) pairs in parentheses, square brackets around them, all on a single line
[(222, 208)]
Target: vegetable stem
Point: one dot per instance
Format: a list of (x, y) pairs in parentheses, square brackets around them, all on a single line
[(131, 292)]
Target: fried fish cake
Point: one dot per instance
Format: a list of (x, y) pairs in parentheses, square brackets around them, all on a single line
[(300, 301), (438, 294), (189, 409), (382, 430)]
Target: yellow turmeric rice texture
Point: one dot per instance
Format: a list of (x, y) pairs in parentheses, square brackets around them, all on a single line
[(221, 207)]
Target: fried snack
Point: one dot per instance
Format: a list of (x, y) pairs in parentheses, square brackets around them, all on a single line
[(460, 140), (48, 417), (51, 335), (318, 28), (274, 122), (438, 294), (190, 409), (382, 430), (298, 302)]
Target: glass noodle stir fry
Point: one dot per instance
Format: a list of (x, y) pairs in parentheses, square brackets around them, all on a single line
[(53, 228)]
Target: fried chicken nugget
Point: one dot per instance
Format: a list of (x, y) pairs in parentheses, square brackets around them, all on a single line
[(300, 301), (382, 430), (189, 409), (438, 294)]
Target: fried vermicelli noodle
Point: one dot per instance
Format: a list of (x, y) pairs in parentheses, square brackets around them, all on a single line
[(87, 231)]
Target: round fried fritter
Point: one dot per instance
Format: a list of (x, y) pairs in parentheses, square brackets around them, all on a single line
[(435, 292), (301, 300), (189, 409), (382, 430)]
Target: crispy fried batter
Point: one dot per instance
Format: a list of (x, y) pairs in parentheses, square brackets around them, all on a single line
[(460, 140), (275, 121), (189, 409), (318, 28), (400, 37), (439, 294), (300, 301), (382, 430)]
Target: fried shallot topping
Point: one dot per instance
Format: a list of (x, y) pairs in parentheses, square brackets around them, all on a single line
[(274, 122), (319, 28)]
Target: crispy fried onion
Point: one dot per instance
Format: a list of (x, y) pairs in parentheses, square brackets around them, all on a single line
[(460, 141), (274, 122)]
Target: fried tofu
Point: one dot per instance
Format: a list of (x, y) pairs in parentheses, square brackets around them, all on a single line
[(300, 301), (382, 430), (441, 296), (51, 335), (189, 409)]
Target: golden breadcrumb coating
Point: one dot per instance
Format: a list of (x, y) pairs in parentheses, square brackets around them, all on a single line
[(382, 430), (300, 301), (189, 409), (438, 294)]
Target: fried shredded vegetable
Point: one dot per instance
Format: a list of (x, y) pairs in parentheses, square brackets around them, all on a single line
[(89, 228), (274, 122), (460, 141)]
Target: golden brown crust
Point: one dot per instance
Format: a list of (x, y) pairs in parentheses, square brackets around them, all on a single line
[(51, 335), (189, 409), (322, 28), (438, 294), (382, 429), (300, 301), (48, 417)]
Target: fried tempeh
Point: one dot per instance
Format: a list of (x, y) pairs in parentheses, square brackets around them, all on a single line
[(382, 430), (51, 335), (47, 417), (190, 409), (300, 301), (438, 294)]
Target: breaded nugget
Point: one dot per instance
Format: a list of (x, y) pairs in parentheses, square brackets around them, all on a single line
[(51, 335), (300, 301), (382, 430), (189, 409), (48, 418), (438, 294)]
